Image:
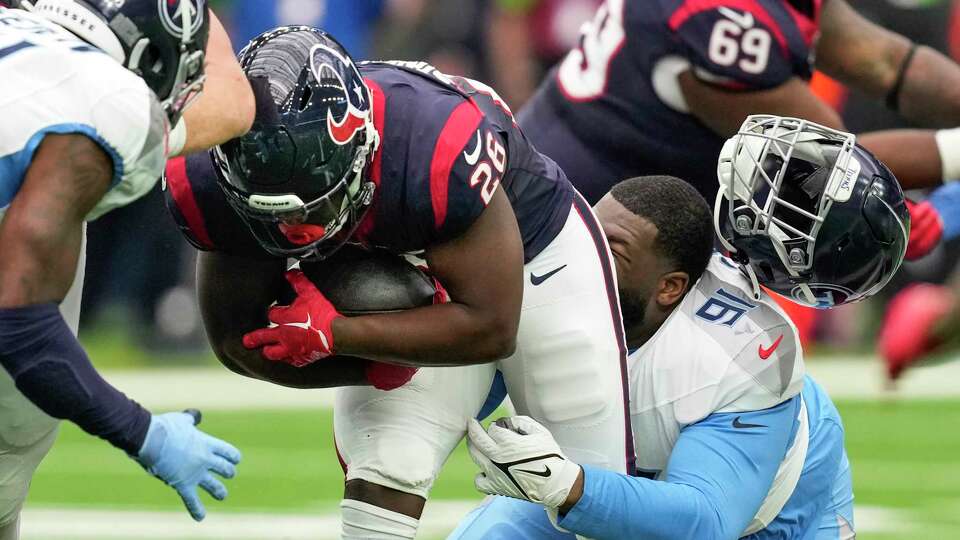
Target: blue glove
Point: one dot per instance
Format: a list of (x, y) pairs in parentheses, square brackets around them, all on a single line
[(946, 200), (181, 455)]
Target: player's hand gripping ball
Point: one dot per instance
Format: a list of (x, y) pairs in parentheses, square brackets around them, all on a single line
[(353, 282), (300, 333)]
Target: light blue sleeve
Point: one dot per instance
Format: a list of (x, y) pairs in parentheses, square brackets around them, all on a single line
[(718, 475)]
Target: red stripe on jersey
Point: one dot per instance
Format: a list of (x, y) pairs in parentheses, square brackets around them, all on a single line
[(808, 27), (693, 7), (376, 167), (460, 126), (178, 183)]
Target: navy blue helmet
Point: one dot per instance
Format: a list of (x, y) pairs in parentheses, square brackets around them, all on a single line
[(809, 213), (162, 41), (299, 177)]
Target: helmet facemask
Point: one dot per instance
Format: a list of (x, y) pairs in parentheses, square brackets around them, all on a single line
[(190, 76), (337, 213), (780, 177)]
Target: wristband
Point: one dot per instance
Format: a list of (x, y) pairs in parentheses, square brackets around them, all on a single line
[(893, 96), (177, 138), (948, 144)]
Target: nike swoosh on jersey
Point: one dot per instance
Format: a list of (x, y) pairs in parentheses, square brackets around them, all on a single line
[(740, 425), (744, 20), (545, 473), (537, 280), (765, 353), (474, 156)]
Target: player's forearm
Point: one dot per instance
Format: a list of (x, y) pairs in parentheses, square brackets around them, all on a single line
[(912, 155), (51, 369), (250, 363), (225, 109), (442, 335), (614, 506), (719, 475), (857, 52), (930, 95)]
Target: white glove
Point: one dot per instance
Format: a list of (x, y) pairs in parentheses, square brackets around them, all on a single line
[(519, 458)]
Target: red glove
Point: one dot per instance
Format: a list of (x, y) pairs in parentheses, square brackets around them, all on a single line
[(385, 376), (302, 332), (926, 229), (441, 296)]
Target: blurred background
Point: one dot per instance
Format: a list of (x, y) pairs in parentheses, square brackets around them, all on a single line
[(141, 326)]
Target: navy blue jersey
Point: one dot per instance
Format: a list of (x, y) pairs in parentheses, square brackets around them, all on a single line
[(612, 108), (447, 144)]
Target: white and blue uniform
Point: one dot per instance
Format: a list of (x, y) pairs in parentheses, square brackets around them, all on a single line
[(727, 444), (54, 83)]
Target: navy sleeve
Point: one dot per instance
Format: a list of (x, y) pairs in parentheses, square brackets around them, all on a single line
[(718, 476), (467, 166), (200, 208), (733, 48), (51, 369)]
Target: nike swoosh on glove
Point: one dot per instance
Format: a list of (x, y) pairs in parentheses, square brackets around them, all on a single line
[(184, 457), (302, 332), (519, 458), (926, 229)]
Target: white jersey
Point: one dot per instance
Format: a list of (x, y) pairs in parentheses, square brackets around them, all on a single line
[(55, 83), (720, 351)]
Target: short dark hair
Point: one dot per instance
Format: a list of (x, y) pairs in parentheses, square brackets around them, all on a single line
[(681, 215)]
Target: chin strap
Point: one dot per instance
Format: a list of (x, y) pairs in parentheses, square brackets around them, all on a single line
[(754, 282)]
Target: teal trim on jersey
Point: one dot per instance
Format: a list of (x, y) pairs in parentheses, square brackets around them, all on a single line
[(13, 167)]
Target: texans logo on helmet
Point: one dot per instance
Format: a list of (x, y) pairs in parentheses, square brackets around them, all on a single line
[(355, 92), (179, 16)]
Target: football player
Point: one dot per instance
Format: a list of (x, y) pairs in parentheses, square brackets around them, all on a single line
[(657, 86), (91, 89), (401, 157), (732, 439)]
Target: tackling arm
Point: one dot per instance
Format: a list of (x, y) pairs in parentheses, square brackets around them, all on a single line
[(718, 476), (483, 272), (225, 109), (234, 294)]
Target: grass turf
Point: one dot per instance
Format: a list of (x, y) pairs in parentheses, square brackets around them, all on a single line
[(904, 455)]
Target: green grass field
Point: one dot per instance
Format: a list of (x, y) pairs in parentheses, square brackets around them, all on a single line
[(904, 455)]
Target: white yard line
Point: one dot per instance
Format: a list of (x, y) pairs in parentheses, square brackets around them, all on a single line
[(219, 389), (212, 388), (441, 517)]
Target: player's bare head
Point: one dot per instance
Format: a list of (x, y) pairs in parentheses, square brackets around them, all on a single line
[(661, 234)]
